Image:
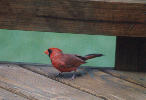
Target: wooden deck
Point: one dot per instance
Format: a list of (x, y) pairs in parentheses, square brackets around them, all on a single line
[(39, 82)]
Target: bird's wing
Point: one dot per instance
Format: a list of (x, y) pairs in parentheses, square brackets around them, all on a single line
[(72, 60), (81, 57)]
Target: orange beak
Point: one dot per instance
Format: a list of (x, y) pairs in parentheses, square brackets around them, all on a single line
[(46, 52)]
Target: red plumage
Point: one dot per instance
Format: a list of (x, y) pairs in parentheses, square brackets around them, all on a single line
[(67, 62)]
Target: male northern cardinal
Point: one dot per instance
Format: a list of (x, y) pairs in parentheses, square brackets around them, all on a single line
[(67, 62)]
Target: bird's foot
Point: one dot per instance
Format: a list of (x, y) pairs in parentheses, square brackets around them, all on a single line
[(73, 76), (59, 74)]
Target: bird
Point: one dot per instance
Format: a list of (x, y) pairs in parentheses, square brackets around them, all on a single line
[(67, 62)]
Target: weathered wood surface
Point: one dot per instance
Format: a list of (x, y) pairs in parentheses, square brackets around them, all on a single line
[(6, 95), (96, 82), (108, 10), (131, 54), (133, 77), (122, 18), (37, 87)]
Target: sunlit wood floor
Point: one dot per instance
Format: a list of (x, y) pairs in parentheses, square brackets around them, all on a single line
[(19, 81)]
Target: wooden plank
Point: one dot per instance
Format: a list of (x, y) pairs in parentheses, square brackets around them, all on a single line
[(133, 77), (6, 95), (131, 53), (36, 87), (75, 16), (71, 26), (95, 82), (110, 10)]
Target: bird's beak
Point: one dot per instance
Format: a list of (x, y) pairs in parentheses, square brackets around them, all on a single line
[(46, 52)]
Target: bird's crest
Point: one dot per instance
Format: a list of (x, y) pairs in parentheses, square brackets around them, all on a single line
[(55, 49)]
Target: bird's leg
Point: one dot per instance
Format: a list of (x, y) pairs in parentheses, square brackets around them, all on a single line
[(59, 74), (74, 75)]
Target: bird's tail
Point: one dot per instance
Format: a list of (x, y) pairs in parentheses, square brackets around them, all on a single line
[(90, 56)]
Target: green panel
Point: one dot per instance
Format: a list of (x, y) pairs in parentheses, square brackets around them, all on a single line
[(29, 46)]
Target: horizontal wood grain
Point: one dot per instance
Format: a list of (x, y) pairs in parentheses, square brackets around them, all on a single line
[(6, 95), (108, 17), (133, 77), (73, 26), (37, 87), (96, 82), (79, 9)]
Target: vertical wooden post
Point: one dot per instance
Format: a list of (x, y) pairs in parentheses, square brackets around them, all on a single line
[(131, 53)]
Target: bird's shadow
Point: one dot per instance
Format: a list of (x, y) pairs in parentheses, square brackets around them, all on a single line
[(82, 71), (68, 75)]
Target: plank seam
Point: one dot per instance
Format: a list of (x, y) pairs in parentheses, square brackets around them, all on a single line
[(123, 78), (65, 83), (14, 91), (90, 20), (48, 65)]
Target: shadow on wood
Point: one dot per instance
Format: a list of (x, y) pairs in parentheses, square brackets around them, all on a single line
[(131, 53)]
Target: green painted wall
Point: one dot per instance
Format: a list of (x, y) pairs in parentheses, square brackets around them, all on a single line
[(29, 46)]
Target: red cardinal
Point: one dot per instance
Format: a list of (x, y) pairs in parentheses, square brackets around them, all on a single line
[(67, 62)]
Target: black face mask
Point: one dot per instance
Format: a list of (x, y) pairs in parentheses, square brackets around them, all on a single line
[(50, 51)]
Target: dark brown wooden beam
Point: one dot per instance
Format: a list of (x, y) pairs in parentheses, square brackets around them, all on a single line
[(107, 10), (41, 23), (131, 54), (123, 18)]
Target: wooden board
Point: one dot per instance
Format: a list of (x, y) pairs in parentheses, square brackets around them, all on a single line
[(71, 26), (36, 87), (133, 77), (6, 95), (124, 18), (96, 82), (107, 10)]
